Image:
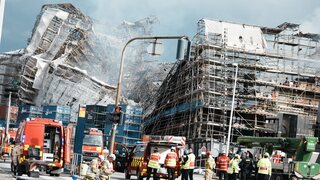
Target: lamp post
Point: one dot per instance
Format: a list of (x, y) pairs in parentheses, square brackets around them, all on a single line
[(232, 107), (115, 124), (2, 3)]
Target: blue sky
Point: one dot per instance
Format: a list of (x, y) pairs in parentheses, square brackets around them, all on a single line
[(177, 17)]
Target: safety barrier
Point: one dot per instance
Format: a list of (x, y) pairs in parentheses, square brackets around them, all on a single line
[(76, 164)]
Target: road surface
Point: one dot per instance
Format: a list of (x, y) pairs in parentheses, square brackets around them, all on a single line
[(5, 174)]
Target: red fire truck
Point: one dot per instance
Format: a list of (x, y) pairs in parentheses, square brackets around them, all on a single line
[(92, 146), (137, 158), (40, 144)]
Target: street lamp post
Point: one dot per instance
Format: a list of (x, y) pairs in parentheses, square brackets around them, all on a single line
[(232, 107), (115, 124)]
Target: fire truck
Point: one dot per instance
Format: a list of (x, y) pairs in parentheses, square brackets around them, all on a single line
[(92, 146), (41, 145), (137, 158)]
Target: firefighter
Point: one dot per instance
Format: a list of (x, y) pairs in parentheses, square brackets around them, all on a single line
[(185, 165), (192, 160), (210, 165), (107, 167), (93, 170), (276, 158), (246, 165), (264, 167), (222, 165), (171, 163), (105, 154), (233, 167), (153, 164)]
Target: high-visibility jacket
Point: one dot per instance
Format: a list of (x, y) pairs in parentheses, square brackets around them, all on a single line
[(154, 161), (185, 162), (233, 166), (171, 160), (276, 158), (210, 163), (222, 163), (192, 160), (264, 166)]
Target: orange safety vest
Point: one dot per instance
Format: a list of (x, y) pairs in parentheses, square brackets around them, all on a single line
[(154, 161), (222, 163), (276, 158), (192, 159), (171, 160)]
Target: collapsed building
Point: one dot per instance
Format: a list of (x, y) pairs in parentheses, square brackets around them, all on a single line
[(277, 85), (67, 62)]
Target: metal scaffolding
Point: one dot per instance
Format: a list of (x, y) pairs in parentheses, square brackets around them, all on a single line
[(277, 84)]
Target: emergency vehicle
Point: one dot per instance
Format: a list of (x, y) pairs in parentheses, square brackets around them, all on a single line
[(138, 157), (92, 146), (41, 145)]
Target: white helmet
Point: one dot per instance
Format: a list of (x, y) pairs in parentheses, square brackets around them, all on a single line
[(112, 156), (105, 152)]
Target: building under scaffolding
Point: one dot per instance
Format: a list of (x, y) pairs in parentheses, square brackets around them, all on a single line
[(277, 90)]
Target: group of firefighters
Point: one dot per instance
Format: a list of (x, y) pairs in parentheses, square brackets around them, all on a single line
[(226, 167), (230, 167), (187, 161), (101, 168)]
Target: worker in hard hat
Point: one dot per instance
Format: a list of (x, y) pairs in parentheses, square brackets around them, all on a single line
[(153, 164), (107, 167), (171, 163), (104, 155), (184, 165), (264, 167), (233, 167), (192, 162), (210, 165), (93, 170), (222, 165)]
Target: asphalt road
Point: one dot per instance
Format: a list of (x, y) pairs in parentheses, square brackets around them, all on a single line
[(5, 174)]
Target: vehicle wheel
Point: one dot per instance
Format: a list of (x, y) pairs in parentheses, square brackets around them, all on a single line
[(277, 177), (18, 169), (139, 176), (127, 174)]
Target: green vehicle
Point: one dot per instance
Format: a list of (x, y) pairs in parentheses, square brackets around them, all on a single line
[(301, 161)]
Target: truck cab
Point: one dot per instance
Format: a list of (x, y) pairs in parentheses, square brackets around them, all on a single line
[(92, 146), (40, 144), (138, 157)]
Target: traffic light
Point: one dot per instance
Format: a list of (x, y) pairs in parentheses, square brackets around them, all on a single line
[(117, 115)]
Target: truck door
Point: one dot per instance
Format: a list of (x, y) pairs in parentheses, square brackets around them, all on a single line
[(66, 149)]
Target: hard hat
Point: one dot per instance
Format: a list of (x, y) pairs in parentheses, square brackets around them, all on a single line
[(173, 148), (209, 153), (105, 151), (112, 156), (185, 151), (266, 155)]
